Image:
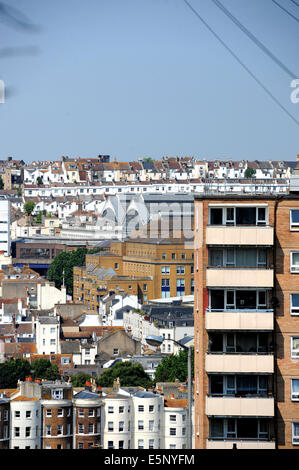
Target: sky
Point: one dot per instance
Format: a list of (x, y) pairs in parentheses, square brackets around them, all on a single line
[(145, 78)]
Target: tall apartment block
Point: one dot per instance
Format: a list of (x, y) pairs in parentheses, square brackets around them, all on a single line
[(246, 321), (5, 226)]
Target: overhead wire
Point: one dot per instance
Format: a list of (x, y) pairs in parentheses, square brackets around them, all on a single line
[(254, 39), (286, 11), (283, 108)]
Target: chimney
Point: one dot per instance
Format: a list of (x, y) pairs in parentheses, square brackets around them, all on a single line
[(116, 385)]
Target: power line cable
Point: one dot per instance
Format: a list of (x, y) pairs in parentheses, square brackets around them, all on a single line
[(240, 62), (294, 1), (254, 39), (286, 11)]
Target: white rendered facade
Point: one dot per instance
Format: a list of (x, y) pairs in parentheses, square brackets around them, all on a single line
[(5, 226), (25, 423)]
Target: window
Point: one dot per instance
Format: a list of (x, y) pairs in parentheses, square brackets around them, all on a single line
[(180, 287), (28, 414), (151, 408), (110, 445), (57, 394), (294, 261), (121, 426), (90, 413), (121, 409), (238, 215), (17, 414), (27, 432), (151, 425), (81, 428), (140, 426), (115, 352), (294, 347), (295, 433), (172, 418), (48, 430), (294, 304), (140, 408), (60, 412), (59, 429), (151, 444), (294, 219), (17, 432), (173, 256), (110, 409), (165, 288), (140, 444), (120, 444), (295, 389), (172, 431), (180, 270), (165, 269), (90, 428), (110, 426)]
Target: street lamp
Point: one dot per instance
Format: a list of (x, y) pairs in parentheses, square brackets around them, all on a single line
[(156, 341)]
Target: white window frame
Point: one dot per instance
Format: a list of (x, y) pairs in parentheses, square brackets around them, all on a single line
[(294, 355), (295, 437), (293, 310), (294, 226), (294, 395), (293, 268)]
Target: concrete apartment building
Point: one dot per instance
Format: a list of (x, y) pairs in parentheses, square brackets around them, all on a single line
[(246, 321)]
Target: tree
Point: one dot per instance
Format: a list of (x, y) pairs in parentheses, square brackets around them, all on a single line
[(79, 380), (174, 367), (39, 218), (39, 181), (29, 207), (1, 183), (249, 172), (13, 370), (129, 375), (44, 369), (62, 267)]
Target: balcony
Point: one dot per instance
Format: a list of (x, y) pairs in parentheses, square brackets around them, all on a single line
[(240, 406), (241, 444), (234, 320), (239, 235), (239, 363), (239, 277)]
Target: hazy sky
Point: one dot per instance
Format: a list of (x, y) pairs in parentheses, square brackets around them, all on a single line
[(140, 78)]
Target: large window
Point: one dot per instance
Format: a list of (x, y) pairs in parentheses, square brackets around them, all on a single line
[(238, 257), (242, 428), (295, 347), (294, 261), (237, 299), (243, 215), (295, 389), (241, 385), (165, 288), (294, 219), (180, 287), (294, 304), (295, 433)]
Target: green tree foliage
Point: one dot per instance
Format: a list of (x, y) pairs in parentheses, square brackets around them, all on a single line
[(249, 172), (39, 218), (44, 369), (39, 180), (80, 379), (63, 264), (29, 207), (174, 367), (1, 183), (12, 371), (129, 374)]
